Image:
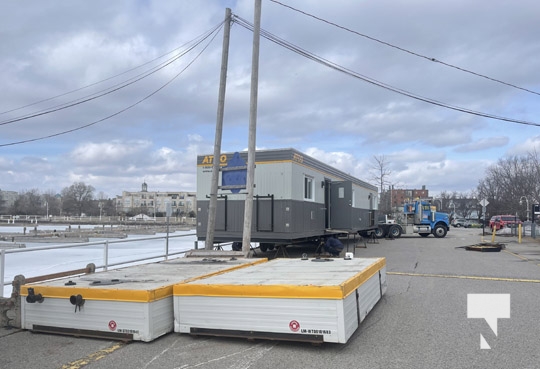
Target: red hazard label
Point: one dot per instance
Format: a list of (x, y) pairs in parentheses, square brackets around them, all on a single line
[(294, 326), (112, 325)]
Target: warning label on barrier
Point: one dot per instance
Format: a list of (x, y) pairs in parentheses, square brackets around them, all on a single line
[(294, 326)]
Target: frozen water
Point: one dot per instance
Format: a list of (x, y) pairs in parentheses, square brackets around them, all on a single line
[(36, 263)]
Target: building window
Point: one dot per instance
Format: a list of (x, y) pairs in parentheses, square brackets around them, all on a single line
[(308, 188)]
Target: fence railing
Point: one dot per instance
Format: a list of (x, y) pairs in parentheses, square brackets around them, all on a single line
[(106, 243)]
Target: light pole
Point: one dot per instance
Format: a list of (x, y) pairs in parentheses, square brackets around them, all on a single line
[(527, 203), (454, 206)]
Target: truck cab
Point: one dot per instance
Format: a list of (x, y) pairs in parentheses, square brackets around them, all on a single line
[(417, 217)]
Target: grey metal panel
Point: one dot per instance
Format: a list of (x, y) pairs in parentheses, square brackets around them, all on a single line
[(264, 210), (291, 220)]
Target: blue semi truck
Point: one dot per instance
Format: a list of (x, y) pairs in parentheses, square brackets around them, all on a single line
[(418, 217)]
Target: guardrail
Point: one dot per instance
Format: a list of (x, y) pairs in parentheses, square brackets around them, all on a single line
[(106, 243)]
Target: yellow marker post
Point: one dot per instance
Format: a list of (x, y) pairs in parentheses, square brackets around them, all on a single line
[(493, 235), (519, 233)]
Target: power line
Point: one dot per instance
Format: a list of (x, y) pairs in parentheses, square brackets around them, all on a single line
[(95, 83), (269, 36), (113, 88), (122, 110), (406, 50)]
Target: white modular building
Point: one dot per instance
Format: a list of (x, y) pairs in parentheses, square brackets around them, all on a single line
[(296, 198)]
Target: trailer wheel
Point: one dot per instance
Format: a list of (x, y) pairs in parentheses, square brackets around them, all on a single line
[(439, 231), (379, 232), (263, 247), (394, 231)]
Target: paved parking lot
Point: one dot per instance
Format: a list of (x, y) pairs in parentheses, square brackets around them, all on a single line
[(421, 322)]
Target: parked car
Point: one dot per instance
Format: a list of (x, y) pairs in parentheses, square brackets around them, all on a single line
[(500, 221), (472, 224), (458, 222)]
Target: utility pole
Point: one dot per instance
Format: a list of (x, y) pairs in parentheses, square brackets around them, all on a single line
[(212, 208), (248, 208)]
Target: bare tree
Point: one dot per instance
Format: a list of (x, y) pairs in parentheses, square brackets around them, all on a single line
[(28, 202), (380, 173), (77, 198), (508, 181)]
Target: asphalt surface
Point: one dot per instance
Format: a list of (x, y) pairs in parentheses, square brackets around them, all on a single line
[(421, 322)]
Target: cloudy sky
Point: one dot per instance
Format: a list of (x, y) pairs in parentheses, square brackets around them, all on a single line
[(134, 129)]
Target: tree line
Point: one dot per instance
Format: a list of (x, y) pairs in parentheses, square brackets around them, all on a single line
[(508, 185), (75, 200)]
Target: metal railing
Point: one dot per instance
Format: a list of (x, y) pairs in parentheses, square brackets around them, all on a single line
[(106, 265)]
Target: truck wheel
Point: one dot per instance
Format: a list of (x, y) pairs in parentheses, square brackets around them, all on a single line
[(394, 232), (439, 231), (379, 232)]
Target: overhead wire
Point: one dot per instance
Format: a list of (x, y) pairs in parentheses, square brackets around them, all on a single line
[(127, 107), (281, 42), (101, 81), (116, 87), (432, 59)]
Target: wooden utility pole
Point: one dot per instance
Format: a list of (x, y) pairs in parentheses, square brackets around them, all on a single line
[(212, 208), (250, 183)]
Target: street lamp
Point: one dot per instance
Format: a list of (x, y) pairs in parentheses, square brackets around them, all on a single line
[(527, 203), (454, 205)]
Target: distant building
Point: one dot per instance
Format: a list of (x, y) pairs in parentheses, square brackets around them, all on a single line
[(155, 203), (394, 198)]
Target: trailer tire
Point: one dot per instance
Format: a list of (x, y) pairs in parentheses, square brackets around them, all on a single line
[(439, 231), (394, 231), (379, 232), (263, 247)]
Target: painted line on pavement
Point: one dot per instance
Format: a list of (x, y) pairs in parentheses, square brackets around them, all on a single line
[(521, 257), (93, 357), (466, 277)]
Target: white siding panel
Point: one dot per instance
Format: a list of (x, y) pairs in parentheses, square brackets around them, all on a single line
[(259, 314), (96, 315), (369, 293), (273, 179), (350, 318)]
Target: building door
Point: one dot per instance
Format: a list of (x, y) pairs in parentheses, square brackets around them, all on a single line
[(341, 205), (327, 204)]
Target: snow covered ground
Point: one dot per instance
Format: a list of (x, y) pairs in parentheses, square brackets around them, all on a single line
[(36, 263)]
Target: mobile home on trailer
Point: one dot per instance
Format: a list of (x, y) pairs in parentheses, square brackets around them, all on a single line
[(296, 199)]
